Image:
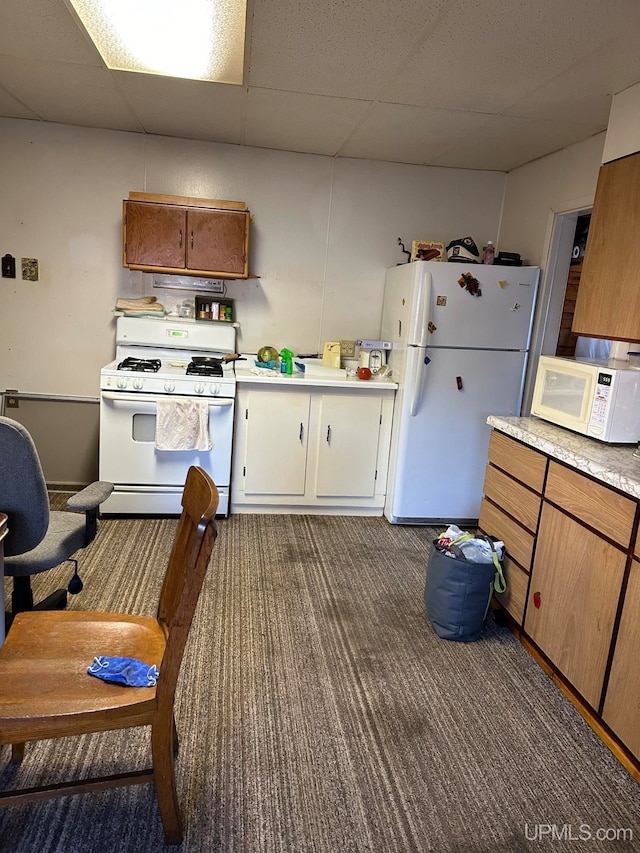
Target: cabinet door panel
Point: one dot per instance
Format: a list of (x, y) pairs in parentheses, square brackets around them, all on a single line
[(608, 303), (573, 597), (276, 445), (155, 234), (216, 240), (348, 445), (622, 703)]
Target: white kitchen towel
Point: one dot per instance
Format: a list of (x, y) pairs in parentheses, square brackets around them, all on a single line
[(182, 424)]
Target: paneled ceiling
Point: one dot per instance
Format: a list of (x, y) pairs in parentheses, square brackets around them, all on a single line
[(474, 84)]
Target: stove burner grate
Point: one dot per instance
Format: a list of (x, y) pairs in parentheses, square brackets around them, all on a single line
[(140, 365), (195, 369)]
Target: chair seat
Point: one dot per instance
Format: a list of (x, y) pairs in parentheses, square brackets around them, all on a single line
[(65, 536), (45, 659)]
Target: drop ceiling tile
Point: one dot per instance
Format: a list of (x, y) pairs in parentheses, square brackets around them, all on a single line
[(588, 87), (294, 122), (67, 94), (407, 134), (485, 55), (345, 49), (46, 30), (504, 142), (191, 109)]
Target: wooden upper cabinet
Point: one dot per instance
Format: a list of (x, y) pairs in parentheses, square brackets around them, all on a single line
[(608, 303), (185, 238), (154, 234), (216, 240)]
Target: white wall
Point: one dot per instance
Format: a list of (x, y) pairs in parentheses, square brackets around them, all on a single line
[(541, 204), (323, 232)]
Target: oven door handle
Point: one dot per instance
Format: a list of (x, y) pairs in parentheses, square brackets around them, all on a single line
[(153, 398)]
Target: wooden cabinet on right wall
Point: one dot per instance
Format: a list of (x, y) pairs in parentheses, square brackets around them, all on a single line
[(608, 303)]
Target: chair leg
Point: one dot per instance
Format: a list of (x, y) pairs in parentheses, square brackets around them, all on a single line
[(176, 742), (22, 594), (17, 752), (162, 749)]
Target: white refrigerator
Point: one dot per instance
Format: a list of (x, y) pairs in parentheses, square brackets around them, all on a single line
[(460, 348)]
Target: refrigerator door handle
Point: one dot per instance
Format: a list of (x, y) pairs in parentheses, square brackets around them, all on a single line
[(418, 332), (416, 384)]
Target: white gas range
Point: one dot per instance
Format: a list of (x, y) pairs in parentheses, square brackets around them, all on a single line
[(156, 360)]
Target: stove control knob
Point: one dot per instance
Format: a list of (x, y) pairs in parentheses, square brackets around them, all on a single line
[(121, 382), (214, 389), (169, 386), (137, 384), (199, 388)]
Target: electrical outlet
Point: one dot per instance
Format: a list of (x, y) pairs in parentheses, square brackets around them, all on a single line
[(348, 349), (11, 403)]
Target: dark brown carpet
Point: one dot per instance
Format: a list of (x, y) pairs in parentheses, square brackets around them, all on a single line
[(318, 711)]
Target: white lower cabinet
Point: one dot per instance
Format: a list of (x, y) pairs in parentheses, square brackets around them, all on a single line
[(317, 450)]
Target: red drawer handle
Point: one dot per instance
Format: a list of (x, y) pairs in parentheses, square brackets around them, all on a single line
[(536, 599)]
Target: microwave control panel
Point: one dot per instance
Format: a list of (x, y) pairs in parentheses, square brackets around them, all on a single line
[(601, 398)]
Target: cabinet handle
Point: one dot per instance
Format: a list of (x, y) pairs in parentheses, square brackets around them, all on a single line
[(329, 434), (301, 432), (192, 239), (181, 238)]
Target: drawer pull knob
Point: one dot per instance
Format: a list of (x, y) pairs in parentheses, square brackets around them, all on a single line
[(536, 599)]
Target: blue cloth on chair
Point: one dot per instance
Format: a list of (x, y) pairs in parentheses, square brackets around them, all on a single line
[(129, 671)]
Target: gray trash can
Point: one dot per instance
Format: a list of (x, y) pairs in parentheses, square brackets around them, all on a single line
[(457, 592)]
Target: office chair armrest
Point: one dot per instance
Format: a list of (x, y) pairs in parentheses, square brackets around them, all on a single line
[(90, 497)]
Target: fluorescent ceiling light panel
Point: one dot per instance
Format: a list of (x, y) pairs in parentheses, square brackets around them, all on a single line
[(194, 39)]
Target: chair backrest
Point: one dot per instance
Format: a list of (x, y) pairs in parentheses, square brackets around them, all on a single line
[(185, 573), (23, 491)]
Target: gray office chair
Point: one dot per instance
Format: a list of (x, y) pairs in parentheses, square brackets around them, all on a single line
[(38, 538)]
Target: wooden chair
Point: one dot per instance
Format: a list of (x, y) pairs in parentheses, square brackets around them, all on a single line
[(45, 691)]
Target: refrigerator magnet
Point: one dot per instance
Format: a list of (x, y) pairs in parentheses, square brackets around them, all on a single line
[(441, 300), (431, 327), (459, 382)]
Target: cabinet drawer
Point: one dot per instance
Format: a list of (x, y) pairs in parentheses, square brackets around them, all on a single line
[(598, 506), (513, 497), (515, 595), (517, 540), (523, 463)]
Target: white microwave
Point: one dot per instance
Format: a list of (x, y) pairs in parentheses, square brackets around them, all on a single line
[(589, 397)]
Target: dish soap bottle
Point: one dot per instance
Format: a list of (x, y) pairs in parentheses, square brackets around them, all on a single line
[(489, 253)]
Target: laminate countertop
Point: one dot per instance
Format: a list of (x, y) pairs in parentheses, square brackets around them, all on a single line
[(613, 464), (246, 373)]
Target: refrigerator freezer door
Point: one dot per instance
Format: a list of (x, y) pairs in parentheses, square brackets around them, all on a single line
[(439, 455), (407, 300), (499, 319)]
